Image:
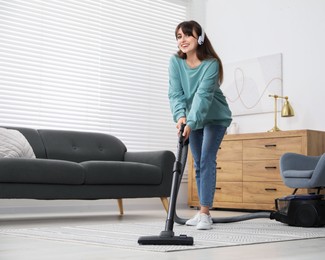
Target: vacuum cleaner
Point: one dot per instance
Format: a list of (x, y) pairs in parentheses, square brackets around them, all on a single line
[(167, 236), (300, 210), (294, 210)]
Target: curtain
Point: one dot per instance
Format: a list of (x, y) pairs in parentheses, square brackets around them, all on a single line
[(90, 65)]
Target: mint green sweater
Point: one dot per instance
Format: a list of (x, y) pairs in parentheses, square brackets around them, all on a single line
[(195, 93)]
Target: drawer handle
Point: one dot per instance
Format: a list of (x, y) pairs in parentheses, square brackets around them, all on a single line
[(218, 188), (270, 189), (270, 145), (218, 168), (270, 167)]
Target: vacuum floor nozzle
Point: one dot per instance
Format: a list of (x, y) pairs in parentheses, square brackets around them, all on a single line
[(164, 240)]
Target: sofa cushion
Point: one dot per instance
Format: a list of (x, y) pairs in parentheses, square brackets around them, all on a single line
[(100, 172), (13, 144), (40, 171)]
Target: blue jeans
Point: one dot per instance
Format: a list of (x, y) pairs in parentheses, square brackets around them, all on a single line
[(204, 145)]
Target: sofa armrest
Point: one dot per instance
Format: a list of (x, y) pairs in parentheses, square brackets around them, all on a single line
[(163, 159)]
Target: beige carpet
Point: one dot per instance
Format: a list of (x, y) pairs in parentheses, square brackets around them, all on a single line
[(126, 235)]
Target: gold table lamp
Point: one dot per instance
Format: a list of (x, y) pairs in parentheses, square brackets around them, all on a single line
[(287, 111)]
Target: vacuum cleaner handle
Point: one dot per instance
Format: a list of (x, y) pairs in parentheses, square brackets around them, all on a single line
[(182, 153), (181, 143)]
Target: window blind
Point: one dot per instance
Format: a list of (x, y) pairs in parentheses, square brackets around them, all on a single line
[(90, 65)]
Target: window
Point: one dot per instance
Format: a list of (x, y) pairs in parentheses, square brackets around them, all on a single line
[(90, 65)]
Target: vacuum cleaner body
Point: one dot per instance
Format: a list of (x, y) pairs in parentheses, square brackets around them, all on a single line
[(300, 210)]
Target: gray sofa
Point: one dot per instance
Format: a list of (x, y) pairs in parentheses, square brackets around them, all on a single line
[(84, 165)]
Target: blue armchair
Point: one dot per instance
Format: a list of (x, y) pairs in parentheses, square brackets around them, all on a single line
[(301, 171)]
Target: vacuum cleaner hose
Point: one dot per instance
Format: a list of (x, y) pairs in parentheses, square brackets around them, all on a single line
[(231, 219)]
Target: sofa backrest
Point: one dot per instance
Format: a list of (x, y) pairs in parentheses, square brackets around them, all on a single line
[(81, 146), (73, 145)]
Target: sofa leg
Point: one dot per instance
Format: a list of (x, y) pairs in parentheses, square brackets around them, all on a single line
[(120, 206), (164, 201)]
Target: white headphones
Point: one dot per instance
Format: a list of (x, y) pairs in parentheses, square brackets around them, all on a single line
[(201, 37)]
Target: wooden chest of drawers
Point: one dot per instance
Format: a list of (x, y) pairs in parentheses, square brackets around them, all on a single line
[(248, 174)]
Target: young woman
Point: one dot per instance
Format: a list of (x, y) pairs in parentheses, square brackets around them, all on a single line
[(195, 75)]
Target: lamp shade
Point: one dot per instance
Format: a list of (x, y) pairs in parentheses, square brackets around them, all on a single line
[(287, 109)]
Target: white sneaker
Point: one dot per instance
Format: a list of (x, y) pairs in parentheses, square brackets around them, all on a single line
[(205, 222), (193, 221)]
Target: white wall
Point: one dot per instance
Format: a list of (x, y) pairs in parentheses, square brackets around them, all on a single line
[(245, 29)]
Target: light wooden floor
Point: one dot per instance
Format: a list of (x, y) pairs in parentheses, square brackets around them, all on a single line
[(18, 248)]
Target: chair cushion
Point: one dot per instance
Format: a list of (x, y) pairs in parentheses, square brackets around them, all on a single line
[(306, 174), (113, 172)]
